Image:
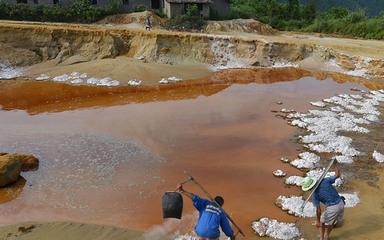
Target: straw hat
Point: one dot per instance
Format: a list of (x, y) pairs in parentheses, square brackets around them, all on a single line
[(308, 183)]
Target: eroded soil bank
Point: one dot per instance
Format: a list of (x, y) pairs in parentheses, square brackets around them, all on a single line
[(110, 158), (25, 44)]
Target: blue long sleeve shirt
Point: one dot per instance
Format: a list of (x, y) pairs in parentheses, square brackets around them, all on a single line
[(326, 193), (211, 218)]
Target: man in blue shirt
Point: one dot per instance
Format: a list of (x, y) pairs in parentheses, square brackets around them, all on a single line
[(211, 217), (334, 204)]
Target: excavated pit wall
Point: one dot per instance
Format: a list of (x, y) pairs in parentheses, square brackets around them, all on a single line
[(23, 44)]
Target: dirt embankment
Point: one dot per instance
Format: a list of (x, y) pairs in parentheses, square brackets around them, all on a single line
[(30, 43)]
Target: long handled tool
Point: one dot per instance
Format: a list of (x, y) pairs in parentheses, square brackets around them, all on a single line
[(317, 184), (213, 200)]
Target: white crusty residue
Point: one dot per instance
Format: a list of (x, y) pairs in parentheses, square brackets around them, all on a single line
[(276, 230)]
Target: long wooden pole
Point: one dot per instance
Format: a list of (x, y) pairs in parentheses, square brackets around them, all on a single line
[(213, 200)]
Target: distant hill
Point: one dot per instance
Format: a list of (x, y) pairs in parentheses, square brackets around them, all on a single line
[(373, 7)]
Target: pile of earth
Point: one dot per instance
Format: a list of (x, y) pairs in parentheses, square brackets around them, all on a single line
[(240, 25), (138, 18), (236, 25)]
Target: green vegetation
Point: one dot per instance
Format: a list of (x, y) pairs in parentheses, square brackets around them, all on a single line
[(80, 11), (291, 15), (372, 7), (190, 21)]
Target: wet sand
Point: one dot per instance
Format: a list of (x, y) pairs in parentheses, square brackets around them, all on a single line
[(367, 178), (65, 231), (362, 222), (122, 69)]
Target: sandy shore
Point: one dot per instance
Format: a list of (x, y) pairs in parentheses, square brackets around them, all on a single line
[(122, 69), (65, 231)]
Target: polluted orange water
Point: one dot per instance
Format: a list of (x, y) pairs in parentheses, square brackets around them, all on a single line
[(108, 160)]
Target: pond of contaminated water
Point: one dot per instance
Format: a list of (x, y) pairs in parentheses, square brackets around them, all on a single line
[(109, 159)]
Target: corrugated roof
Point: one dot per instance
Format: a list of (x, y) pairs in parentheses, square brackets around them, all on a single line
[(189, 1)]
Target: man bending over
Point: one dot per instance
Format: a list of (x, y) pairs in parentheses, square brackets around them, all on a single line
[(211, 217), (326, 194)]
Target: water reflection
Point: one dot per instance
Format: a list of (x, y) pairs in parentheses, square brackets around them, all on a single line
[(39, 97), (11, 192)]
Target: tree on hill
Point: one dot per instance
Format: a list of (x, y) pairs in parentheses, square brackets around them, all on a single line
[(373, 7)]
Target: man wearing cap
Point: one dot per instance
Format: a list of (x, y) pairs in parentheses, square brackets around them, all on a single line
[(326, 194), (211, 217)]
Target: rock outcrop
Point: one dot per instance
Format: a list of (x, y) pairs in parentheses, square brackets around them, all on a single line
[(28, 162), (9, 170), (11, 165)]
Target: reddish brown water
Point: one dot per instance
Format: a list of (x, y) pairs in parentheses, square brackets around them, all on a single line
[(109, 164)]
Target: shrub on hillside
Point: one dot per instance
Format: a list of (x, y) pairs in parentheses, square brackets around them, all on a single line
[(79, 11), (191, 20)]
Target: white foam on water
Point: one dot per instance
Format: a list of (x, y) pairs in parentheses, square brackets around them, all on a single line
[(298, 123), (77, 81), (318, 172), (186, 237), (347, 113), (358, 72), (298, 180), (307, 160), (134, 83), (296, 115), (318, 104), (344, 159), (75, 75), (107, 81), (324, 127), (61, 78), (169, 80), (284, 110), (42, 77), (361, 68), (294, 180), (378, 157), (284, 160), (351, 199), (9, 72), (274, 229), (293, 204), (80, 78), (284, 64), (279, 173)]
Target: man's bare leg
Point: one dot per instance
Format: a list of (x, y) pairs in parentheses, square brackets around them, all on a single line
[(327, 232), (322, 231)]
